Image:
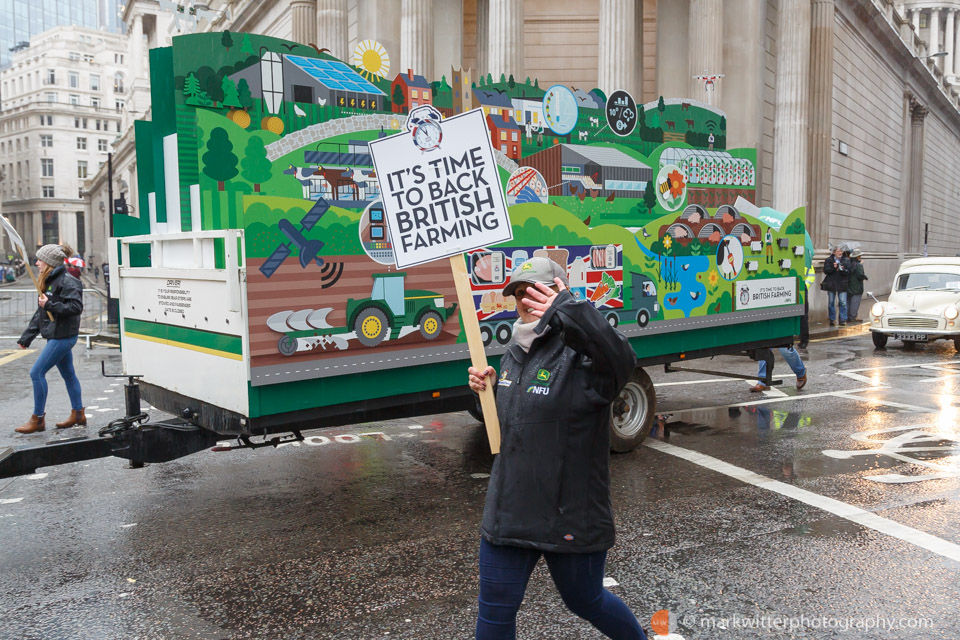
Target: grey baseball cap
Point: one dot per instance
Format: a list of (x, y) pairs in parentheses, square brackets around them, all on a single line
[(539, 269)]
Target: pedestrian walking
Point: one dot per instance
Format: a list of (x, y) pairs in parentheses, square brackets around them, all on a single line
[(855, 285), (549, 489), (796, 365), (96, 274), (61, 298), (72, 268), (836, 273)]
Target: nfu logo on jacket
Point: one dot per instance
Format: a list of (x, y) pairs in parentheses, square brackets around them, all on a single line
[(542, 386)]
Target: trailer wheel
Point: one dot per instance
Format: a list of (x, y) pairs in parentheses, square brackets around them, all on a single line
[(643, 318), (632, 412), (879, 339), (487, 334), (370, 326), (613, 319), (504, 331), (430, 325), (287, 346)]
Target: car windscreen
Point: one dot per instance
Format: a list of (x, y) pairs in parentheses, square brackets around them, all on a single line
[(928, 281)]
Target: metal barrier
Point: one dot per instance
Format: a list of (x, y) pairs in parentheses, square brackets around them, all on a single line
[(18, 305)]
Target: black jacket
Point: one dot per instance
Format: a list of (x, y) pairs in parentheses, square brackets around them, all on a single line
[(65, 303), (836, 274), (550, 485)]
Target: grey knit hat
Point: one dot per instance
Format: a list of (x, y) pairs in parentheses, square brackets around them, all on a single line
[(52, 254)]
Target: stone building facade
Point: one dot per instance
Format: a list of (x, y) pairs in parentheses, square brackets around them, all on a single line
[(850, 114)]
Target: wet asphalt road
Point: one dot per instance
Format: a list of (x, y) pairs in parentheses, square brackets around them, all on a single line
[(371, 531)]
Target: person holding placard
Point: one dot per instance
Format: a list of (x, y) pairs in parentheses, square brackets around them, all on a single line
[(549, 489)]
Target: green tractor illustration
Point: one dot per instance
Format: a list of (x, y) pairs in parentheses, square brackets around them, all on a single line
[(391, 306)]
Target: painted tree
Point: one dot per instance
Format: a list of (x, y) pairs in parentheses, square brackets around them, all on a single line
[(230, 96), (723, 124), (511, 82), (245, 46), (256, 167), (649, 196), (661, 106), (243, 93), (398, 98), (210, 83), (226, 40), (194, 95), (220, 162), (503, 78), (536, 83), (528, 81), (489, 79)]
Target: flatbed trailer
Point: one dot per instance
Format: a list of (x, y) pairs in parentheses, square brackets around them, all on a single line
[(257, 290)]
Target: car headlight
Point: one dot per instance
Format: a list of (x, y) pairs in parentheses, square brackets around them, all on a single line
[(877, 309), (951, 312)]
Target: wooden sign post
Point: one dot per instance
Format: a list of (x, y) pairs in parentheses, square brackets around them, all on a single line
[(441, 195)]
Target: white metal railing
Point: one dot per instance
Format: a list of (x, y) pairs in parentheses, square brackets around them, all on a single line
[(18, 305)]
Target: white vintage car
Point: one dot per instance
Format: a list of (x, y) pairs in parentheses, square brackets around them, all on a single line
[(923, 306)]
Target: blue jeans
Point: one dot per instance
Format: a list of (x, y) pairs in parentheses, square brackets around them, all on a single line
[(793, 359), (57, 353), (504, 572), (841, 298)]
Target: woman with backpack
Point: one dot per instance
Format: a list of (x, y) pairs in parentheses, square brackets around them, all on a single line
[(57, 319)]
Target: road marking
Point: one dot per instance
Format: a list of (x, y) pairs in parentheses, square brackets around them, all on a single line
[(900, 366), (37, 476), (887, 403), (93, 407), (712, 381), (15, 355), (846, 511), (786, 398), (10, 500), (610, 582)]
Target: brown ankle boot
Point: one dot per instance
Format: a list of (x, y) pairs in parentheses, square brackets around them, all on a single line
[(76, 417), (34, 424)]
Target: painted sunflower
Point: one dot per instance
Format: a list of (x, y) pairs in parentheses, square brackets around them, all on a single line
[(714, 278)]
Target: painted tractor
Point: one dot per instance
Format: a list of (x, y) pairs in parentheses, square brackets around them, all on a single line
[(391, 308)]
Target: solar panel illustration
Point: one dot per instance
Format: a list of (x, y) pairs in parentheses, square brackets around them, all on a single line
[(335, 75)]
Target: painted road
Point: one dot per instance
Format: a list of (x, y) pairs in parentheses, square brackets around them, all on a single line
[(829, 513)]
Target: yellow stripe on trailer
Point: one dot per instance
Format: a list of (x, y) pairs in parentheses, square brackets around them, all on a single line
[(184, 345)]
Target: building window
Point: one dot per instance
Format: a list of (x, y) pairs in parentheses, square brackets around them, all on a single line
[(46, 167), (503, 135), (51, 224), (76, 123), (118, 58), (82, 169), (98, 125), (88, 57), (51, 96), (73, 79), (514, 136), (46, 140), (94, 82), (101, 145), (80, 193), (74, 99), (51, 77), (81, 144), (118, 126), (566, 169), (95, 102), (75, 56), (120, 105), (118, 82), (48, 192), (413, 94)]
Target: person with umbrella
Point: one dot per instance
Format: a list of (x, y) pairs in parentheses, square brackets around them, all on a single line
[(855, 285), (836, 276)]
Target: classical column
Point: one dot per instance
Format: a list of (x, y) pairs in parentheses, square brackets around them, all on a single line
[(821, 121), (483, 38), (949, 42), (416, 37), (332, 27), (934, 39), (790, 163), (136, 49), (303, 16), (505, 43), (706, 50), (617, 58), (915, 15), (917, 114)]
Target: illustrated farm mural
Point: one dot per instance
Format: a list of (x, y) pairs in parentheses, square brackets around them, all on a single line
[(638, 201)]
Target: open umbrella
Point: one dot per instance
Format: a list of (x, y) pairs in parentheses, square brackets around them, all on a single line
[(77, 262)]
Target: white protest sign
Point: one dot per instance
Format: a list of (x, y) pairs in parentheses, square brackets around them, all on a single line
[(440, 187)]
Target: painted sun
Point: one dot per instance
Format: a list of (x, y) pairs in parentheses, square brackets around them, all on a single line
[(371, 59)]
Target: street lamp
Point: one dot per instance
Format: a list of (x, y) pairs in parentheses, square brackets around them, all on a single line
[(938, 54)]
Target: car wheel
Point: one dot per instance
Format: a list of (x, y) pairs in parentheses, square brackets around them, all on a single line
[(370, 326), (486, 333), (430, 325), (632, 413), (643, 318), (879, 339), (613, 319), (504, 331)]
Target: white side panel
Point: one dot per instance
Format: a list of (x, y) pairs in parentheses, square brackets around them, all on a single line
[(171, 184), (152, 205), (195, 219)]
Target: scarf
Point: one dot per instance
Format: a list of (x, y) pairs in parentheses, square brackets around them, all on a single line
[(524, 335)]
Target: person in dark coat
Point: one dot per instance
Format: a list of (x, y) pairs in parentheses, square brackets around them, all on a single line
[(549, 489), (62, 298), (836, 275), (855, 285)]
